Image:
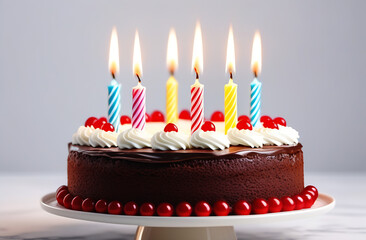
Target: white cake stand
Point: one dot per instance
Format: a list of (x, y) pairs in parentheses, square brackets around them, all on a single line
[(179, 228)]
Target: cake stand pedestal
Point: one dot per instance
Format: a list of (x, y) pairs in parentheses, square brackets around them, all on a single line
[(193, 228)]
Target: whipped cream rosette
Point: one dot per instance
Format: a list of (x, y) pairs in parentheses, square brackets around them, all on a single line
[(208, 138), (133, 138), (101, 138), (169, 139), (82, 135)]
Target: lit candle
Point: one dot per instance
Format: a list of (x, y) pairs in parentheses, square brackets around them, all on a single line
[(230, 87), (256, 86), (138, 92), (114, 88), (172, 84), (197, 117)]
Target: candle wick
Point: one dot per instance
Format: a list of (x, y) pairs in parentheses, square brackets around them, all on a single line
[(197, 76), (113, 76), (255, 74), (138, 77), (171, 73), (231, 75)]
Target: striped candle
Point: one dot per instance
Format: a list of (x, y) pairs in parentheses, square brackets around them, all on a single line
[(255, 101), (231, 115), (197, 116), (114, 106), (138, 107)]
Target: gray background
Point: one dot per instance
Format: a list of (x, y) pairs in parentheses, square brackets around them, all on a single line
[(54, 69)]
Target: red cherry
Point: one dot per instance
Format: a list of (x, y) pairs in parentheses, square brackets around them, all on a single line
[(270, 124), (76, 203), (130, 208), (107, 127), (185, 114), (115, 207), (125, 119), (280, 121), (101, 206), (288, 204), (183, 209), (299, 202), (275, 205), (99, 123), (61, 195), (63, 187), (104, 119), (308, 199), (314, 189), (265, 118), (147, 117), (242, 208), (90, 121), (67, 201), (312, 194), (165, 210), (87, 205), (147, 209), (217, 117), (221, 208), (202, 209), (157, 116), (208, 126), (260, 206), (171, 127), (244, 117), (243, 124)]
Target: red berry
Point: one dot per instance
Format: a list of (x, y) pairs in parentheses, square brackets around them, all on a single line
[(165, 210), (244, 117), (130, 208), (217, 117), (157, 116), (308, 199), (87, 205), (115, 207), (314, 189), (125, 119), (90, 121), (299, 202), (202, 209), (243, 124), (61, 195), (185, 114), (76, 203), (101, 206), (147, 117), (171, 127), (312, 194), (208, 126), (260, 206), (104, 119), (67, 201), (280, 121), (183, 209), (99, 123), (63, 187), (275, 205), (270, 124), (242, 208), (265, 118), (107, 127), (288, 204), (147, 209), (221, 208)]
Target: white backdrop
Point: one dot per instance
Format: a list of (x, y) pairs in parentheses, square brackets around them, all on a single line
[(54, 69)]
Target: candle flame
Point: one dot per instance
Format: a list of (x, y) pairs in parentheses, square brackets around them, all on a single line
[(137, 64), (114, 53), (257, 54), (172, 53), (197, 59), (230, 53)]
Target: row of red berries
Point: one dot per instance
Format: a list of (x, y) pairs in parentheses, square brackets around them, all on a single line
[(221, 208)]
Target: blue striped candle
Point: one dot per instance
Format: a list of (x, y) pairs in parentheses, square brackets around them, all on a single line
[(255, 101), (114, 106)]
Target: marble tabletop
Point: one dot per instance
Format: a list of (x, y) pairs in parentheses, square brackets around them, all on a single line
[(21, 216)]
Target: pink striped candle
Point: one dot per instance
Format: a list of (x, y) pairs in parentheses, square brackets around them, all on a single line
[(197, 117), (138, 107)]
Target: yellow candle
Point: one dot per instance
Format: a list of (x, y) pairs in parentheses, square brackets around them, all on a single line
[(230, 105), (171, 100)]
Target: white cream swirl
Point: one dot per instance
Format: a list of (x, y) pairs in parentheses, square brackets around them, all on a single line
[(82, 135), (210, 139), (100, 138), (169, 141), (281, 136), (133, 138), (245, 137)]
